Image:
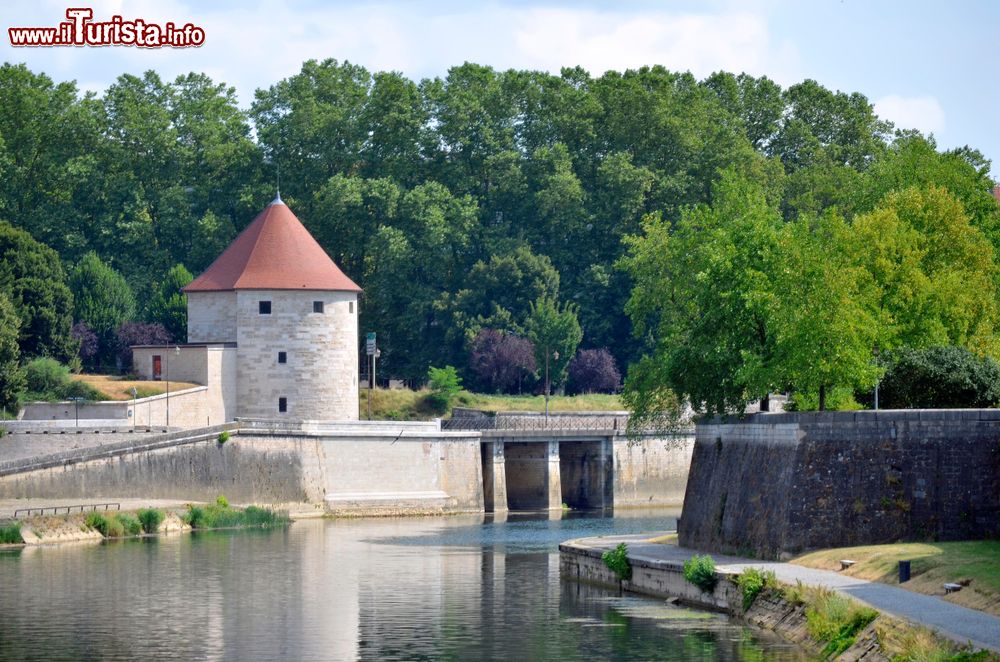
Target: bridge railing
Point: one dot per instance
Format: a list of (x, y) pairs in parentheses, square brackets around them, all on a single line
[(608, 423)]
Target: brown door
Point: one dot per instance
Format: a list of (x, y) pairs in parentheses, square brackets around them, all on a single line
[(156, 368)]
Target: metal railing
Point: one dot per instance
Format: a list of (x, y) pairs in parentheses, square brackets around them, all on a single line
[(82, 507), (603, 423)]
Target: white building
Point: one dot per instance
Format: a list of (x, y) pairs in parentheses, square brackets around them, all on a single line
[(272, 331)]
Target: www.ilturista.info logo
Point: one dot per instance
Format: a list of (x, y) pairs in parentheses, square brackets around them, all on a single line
[(80, 30)]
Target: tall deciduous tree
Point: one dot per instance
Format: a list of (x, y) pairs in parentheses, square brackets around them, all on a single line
[(103, 300), (169, 305), (555, 332), (11, 373)]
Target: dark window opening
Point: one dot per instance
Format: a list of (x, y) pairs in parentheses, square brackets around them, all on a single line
[(282, 357), (350, 307), (282, 405), (265, 307), (317, 306)]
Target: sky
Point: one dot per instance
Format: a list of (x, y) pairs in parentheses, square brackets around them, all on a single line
[(925, 64)]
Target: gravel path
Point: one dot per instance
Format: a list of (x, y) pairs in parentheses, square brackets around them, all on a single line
[(958, 623)]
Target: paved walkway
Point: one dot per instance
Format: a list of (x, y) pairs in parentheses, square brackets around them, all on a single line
[(958, 623)]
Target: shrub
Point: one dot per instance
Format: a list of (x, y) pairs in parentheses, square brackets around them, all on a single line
[(88, 342), (130, 524), (752, 581), (98, 522), (150, 519), (444, 381), (224, 436), (837, 399), (594, 371), (939, 377), (617, 561), (45, 375), (221, 501), (195, 517), (10, 534), (501, 360), (700, 571)]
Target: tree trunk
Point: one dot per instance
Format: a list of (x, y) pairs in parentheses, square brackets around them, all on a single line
[(822, 398), (765, 402)]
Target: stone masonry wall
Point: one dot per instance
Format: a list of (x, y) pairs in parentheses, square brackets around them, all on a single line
[(320, 378), (782, 483), (211, 317)]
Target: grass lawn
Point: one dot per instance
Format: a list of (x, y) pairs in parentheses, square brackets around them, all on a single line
[(407, 405), (118, 388), (932, 565)]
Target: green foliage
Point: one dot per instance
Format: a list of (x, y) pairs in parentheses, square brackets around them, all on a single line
[(834, 620), (445, 385), (169, 305), (939, 377), (754, 580), (700, 571), (150, 519), (109, 526), (131, 525), (221, 501), (840, 398), (223, 436), (12, 377), (617, 561), (103, 300), (555, 332), (32, 278), (218, 516), (46, 375), (10, 533)]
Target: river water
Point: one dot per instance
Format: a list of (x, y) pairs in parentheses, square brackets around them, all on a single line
[(449, 588)]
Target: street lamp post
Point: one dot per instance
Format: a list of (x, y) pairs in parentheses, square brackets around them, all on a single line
[(135, 412), (76, 409), (548, 383)]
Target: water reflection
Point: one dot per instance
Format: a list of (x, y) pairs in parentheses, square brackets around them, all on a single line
[(407, 589)]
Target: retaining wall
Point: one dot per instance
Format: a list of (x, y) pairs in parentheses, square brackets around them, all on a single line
[(775, 484)]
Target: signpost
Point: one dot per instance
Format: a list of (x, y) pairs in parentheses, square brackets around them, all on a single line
[(371, 350)]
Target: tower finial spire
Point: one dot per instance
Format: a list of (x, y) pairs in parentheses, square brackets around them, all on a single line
[(277, 198)]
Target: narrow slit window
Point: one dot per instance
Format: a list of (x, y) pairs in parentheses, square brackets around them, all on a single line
[(282, 357), (282, 405), (350, 307), (264, 307), (317, 306)]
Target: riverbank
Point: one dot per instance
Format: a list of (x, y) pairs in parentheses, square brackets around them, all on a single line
[(973, 565), (94, 524), (658, 570)]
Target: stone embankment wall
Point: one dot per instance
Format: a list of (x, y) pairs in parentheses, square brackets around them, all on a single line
[(775, 484), (359, 469), (651, 470)]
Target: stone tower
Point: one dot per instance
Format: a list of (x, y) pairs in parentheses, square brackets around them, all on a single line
[(292, 315)]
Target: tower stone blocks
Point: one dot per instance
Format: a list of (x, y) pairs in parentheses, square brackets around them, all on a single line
[(292, 315)]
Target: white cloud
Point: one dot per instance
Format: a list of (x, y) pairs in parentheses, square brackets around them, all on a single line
[(922, 113), (255, 45)]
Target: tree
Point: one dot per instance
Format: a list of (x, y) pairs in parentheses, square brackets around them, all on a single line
[(137, 333), (103, 300), (704, 302), (824, 324), (555, 333), (501, 360), (88, 343), (32, 277), (12, 379), (594, 371), (169, 305), (445, 386), (939, 377)]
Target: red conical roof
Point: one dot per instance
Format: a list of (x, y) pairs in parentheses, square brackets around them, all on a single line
[(274, 252)]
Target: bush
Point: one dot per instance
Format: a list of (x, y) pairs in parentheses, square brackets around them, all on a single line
[(150, 519), (222, 517), (752, 581), (45, 375), (98, 522), (221, 501), (131, 525), (10, 534), (837, 399), (617, 561), (700, 571), (196, 518), (224, 436), (436, 403), (594, 371), (938, 377)]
